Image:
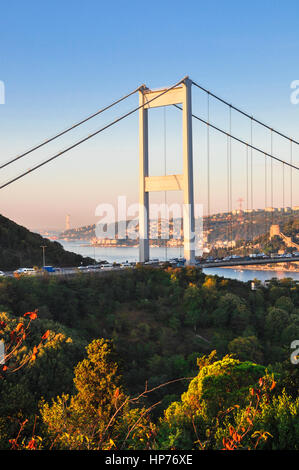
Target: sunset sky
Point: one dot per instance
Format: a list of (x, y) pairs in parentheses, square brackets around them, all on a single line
[(65, 60)]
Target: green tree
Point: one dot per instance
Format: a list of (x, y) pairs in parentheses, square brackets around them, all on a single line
[(246, 348), (99, 416), (218, 386)]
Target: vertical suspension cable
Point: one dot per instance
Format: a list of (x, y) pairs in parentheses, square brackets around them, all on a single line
[(266, 218), (227, 188), (251, 181), (230, 177), (283, 187), (165, 169), (247, 194), (272, 201), (291, 179), (208, 166), (247, 235)]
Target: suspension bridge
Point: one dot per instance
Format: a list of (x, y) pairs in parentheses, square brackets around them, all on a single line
[(180, 97)]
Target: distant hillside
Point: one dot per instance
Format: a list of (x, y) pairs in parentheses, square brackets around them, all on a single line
[(238, 225), (21, 248)]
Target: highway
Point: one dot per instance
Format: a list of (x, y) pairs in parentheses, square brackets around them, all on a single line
[(70, 271), (245, 262), (99, 269)]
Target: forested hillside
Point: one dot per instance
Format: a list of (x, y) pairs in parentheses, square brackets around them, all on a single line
[(21, 248), (144, 329)]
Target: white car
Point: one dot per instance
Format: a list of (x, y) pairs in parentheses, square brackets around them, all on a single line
[(107, 267), (27, 271), (2, 273), (126, 265)]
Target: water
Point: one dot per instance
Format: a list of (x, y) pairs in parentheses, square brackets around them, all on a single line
[(117, 254), (122, 254)]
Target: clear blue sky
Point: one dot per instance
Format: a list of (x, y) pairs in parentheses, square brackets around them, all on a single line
[(61, 60)]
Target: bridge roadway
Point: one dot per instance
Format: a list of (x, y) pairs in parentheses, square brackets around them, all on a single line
[(242, 262), (238, 262)]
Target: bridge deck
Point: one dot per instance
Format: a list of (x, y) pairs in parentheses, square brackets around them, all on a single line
[(252, 262)]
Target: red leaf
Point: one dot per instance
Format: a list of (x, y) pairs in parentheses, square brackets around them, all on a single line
[(273, 385), (19, 326), (46, 335), (32, 315)]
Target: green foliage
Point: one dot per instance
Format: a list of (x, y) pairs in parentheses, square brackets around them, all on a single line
[(218, 386), (246, 348), (21, 248), (99, 415), (160, 321)]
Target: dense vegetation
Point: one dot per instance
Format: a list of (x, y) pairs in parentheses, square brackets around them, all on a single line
[(143, 328), (21, 248)]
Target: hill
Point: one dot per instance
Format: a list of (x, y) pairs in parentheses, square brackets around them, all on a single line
[(160, 322), (21, 248), (220, 228)]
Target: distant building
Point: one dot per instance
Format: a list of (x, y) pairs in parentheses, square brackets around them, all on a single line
[(67, 222), (274, 231)]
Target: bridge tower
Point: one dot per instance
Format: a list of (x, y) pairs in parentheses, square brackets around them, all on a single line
[(180, 94)]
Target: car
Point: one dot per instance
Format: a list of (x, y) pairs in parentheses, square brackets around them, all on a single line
[(49, 269), (107, 267), (25, 271), (2, 273), (126, 265)]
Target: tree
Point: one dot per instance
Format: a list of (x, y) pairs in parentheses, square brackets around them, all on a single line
[(232, 312), (246, 348), (276, 321), (218, 386), (99, 416)]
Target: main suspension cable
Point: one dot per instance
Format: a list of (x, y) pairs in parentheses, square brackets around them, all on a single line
[(77, 124), (291, 165), (244, 113), (90, 135)]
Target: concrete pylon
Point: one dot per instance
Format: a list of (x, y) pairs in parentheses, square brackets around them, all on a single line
[(180, 94)]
